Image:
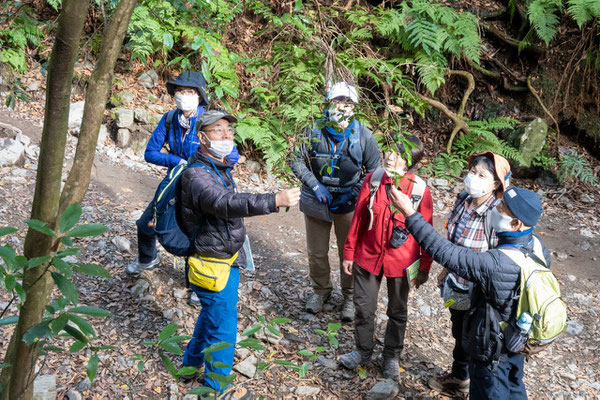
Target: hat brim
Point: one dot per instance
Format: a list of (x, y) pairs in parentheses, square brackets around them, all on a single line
[(209, 121)]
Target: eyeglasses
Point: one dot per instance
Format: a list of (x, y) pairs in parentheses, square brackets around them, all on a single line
[(221, 131), (341, 100)]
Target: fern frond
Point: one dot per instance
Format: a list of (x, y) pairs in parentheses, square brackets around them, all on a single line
[(431, 69), (583, 11), (543, 18)]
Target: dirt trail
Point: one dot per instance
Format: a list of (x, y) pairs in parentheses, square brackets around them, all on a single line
[(278, 289)]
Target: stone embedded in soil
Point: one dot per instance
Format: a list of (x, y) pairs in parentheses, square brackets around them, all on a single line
[(307, 391), (574, 327), (139, 288), (533, 140), (327, 362), (247, 367), (76, 114), (387, 389), (179, 293), (44, 387), (122, 244)]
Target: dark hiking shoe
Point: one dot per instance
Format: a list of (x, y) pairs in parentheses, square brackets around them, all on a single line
[(193, 299), (136, 268), (315, 303), (391, 368), (448, 383), (354, 359), (348, 311)]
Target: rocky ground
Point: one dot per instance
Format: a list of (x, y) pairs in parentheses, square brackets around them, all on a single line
[(122, 186)]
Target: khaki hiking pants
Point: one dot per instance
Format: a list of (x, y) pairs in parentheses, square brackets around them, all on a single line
[(317, 244)]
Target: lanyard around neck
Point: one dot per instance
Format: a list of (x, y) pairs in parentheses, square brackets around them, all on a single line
[(221, 176)]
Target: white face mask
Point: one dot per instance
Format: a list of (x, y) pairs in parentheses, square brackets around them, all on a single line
[(219, 148), (399, 171), (340, 117), (186, 102), (476, 186), (499, 222)]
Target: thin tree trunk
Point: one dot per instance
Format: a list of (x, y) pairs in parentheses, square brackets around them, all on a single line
[(17, 380), (95, 103)]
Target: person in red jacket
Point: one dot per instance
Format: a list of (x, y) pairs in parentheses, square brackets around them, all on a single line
[(372, 251)]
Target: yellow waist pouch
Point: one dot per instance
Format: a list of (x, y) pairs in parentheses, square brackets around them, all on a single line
[(210, 273)]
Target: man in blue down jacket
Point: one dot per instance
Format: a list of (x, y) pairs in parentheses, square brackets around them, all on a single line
[(495, 373), (212, 208), (177, 132)]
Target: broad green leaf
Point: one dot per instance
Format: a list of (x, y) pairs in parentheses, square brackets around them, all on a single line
[(66, 287), (83, 325), (222, 379), (168, 40), (219, 364), (75, 333), (261, 319), (167, 331), (303, 370), (279, 321), (92, 270), (37, 332), (140, 365), (10, 281), (59, 323), (54, 348), (37, 261), (73, 251), (66, 241), (208, 357), (176, 339), (62, 266), (273, 331), (321, 331), (334, 326), (169, 365), (13, 319), (148, 343), (216, 347), (107, 347), (252, 343), (40, 227), (5, 365), (7, 230), (87, 230), (187, 370), (92, 367), (91, 310), (69, 217), (170, 348), (76, 346), (285, 363), (305, 353), (251, 330), (334, 341)]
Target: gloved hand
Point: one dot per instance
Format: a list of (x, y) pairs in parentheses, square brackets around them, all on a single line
[(322, 193), (182, 161), (342, 200), (421, 278)]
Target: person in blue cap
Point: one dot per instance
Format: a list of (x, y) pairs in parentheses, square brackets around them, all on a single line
[(495, 372), (176, 132)]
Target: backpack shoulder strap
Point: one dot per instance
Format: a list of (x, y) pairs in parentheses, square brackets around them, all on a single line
[(168, 123), (487, 227), (418, 190), (374, 184)]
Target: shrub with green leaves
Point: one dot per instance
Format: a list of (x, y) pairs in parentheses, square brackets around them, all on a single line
[(22, 31), (574, 167)]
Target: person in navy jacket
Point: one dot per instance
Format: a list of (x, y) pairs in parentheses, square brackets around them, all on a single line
[(176, 132)]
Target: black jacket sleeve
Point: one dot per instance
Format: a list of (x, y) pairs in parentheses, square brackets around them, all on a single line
[(211, 198), (299, 162), (371, 157)]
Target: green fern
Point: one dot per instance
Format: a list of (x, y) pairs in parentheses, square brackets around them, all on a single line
[(446, 166), (583, 11), (482, 138), (543, 18), (574, 167)]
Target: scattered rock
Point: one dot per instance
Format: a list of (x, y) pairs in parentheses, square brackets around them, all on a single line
[(102, 134), (568, 376), (33, 86), (572, 278), (173, 313), (266, 291), (307, 391), (425, 310), (180, 293), (242, 352), (253, 166), (190, 397), (123, 138), (148, 79), (574, 328), (560, 255), (122, 244), (585, 245), (247, 367), (387, 389), (141, 115), (11, 151), (586, 198), (254, 177), (76, 114), (84, 385), (124, 117), (586, 233), (44, 387), (73, 395), (327, 362), (139, 288)]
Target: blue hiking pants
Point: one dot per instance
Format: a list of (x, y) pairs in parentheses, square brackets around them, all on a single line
[(216, 323), (504, 383)]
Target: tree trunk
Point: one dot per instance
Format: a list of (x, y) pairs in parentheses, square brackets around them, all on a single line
[(95, 103), (17, 380)]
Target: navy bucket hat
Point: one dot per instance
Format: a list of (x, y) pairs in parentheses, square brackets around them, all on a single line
[(524, 204), (189, 79)]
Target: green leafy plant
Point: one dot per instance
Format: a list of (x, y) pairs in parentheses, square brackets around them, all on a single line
[(22, 31), (446, 165), (482, 137), (332, 333), (63, 317), (574, 167)]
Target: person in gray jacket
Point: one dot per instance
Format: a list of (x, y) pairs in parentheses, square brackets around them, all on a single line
[(332, 160), (495, 372)]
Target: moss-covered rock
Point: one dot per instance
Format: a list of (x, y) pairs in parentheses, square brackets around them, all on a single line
[(532, 140)]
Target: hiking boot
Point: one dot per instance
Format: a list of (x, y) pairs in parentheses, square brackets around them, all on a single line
[(315, 303), (136, 268), (193, 299), (354, 359), (348, 311), (391, 368), (239, 393), (448, 383)]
